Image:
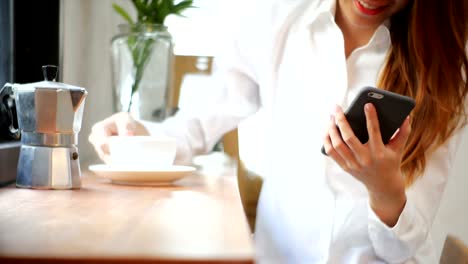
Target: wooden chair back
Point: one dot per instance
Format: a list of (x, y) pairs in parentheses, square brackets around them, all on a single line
[(454, 251), (249, 185)]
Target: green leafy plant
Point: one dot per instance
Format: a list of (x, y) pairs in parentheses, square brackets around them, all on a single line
[(149, 14)]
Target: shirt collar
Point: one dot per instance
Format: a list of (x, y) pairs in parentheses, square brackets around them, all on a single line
[(317, 10), (326, 9)]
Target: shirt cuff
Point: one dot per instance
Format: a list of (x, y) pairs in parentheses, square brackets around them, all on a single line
[(153, 128), (402, 224), (400, 242)]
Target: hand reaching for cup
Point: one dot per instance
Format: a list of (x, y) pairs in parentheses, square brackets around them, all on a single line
[(120, 124)]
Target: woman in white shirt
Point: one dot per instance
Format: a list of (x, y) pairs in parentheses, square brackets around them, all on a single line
[(296, 60)]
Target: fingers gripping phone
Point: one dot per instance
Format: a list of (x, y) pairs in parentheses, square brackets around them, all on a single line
[(392, 110)]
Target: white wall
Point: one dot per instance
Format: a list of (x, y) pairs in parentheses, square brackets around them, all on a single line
[(88, 28)]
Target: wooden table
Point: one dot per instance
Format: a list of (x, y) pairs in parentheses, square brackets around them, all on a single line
[(199, 219)]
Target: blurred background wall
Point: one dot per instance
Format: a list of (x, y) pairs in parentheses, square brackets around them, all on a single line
[(88, 27)]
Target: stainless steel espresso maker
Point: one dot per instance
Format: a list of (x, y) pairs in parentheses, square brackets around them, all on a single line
[(49, 118)]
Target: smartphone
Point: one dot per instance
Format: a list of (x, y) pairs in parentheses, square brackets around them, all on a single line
[(392, 110)]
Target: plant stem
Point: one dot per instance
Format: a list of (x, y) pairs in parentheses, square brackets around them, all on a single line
[(141, 56)]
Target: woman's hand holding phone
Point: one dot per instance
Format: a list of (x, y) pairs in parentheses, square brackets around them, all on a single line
[(375, 164)]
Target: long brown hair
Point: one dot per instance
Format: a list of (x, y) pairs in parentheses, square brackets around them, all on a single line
[(428, 62)]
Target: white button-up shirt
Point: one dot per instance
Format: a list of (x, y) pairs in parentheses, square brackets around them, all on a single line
[(287, 64)]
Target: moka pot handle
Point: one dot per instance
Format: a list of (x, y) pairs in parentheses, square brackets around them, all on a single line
[(8, 110)]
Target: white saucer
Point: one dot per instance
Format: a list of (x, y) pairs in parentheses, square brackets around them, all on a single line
[(142, 176)]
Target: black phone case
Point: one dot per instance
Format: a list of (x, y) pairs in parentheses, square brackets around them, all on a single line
[(392, 109)]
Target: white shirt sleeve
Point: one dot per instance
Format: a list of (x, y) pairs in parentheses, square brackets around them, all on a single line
[(401, 242), (198, 129)]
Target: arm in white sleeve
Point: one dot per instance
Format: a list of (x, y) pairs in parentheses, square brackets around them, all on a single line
[(400, 243), (197, 130)]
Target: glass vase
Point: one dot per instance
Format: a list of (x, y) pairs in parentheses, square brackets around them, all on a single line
[(142, 57)]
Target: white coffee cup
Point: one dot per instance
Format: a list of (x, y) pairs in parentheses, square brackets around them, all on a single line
[(142, 152)]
